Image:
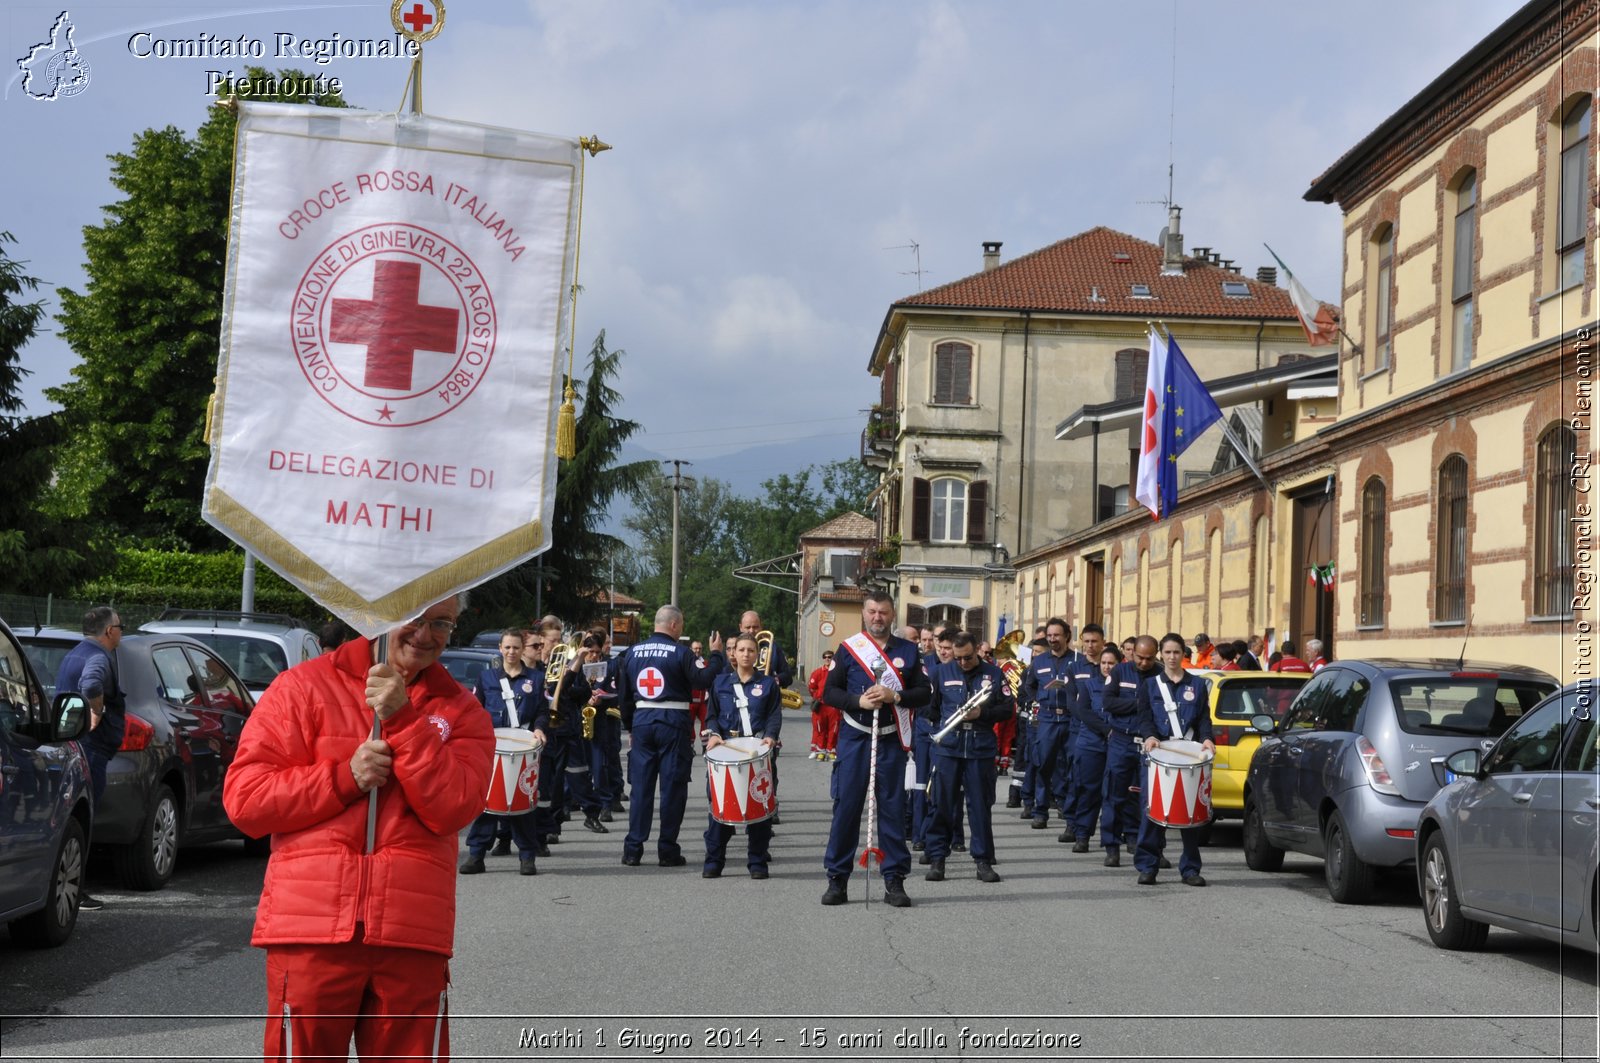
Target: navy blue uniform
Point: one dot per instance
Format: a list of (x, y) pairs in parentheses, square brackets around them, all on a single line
[(964, 759), (528, 700), (922, 754), (1057, 711), (564, 770), (605, 750), (1191, 696), (846, 683), (654, 681), (1088, 750), (763, 704), (1122, 812)]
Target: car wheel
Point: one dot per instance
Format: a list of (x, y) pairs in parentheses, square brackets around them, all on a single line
[(1349, 877), (1259, 854), (148, 863), (1441, 903), (52, 925)]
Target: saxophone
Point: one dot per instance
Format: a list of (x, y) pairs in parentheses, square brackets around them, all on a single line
[(588, 723)]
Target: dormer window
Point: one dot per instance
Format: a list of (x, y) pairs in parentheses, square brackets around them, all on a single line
[(1140, 291)]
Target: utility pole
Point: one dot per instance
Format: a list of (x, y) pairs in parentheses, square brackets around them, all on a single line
[(680, 482)]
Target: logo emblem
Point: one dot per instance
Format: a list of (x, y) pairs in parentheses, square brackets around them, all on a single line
[(1188, 694), (526, 781), (761, 787), (650, 682), (393, 325), (442, 725), (755, 691), (54, 69), (899, 662)]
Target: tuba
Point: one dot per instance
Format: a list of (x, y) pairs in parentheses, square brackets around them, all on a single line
[(765, 642), (556, 667), (1010, 662)]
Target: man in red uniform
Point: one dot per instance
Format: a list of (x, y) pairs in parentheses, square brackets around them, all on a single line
[(824, 718), (359, 934), (1289, 662)]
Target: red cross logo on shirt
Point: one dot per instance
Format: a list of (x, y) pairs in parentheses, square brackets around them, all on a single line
[(650, 682), (393, 325)]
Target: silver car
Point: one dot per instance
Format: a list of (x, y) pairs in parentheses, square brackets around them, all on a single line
[(1344, 775), (257, 646), (1515, 841)]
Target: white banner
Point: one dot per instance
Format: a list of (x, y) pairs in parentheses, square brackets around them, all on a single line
[(396, 309)]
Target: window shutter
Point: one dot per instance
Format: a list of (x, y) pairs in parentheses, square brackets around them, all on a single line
[(916, 614), (961, 375), (943, 356), (978, 511), (921, 504), (976, 619), (1105, 502), (887, 396)]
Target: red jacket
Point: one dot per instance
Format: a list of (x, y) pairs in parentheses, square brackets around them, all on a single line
[(291, 779), (1290, 664)]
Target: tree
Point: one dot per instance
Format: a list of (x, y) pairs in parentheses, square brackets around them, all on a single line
[(146, 330), (709, 595), (37, 551), (577, 564), (848, 486)]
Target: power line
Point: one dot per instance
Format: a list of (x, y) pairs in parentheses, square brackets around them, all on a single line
[(762, 424)]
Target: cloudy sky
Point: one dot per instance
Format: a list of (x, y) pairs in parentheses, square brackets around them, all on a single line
[(774, 157)]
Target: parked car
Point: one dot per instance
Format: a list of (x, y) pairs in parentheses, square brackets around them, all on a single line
[(489, 639), (186, 709), (45, 799), (1514, 841), (1236, 699), (465, 662), (257, 646), (1345, 774)]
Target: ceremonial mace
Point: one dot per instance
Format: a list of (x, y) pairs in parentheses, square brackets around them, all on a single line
[(871, 851)]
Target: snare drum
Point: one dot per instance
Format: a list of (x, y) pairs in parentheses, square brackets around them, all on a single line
[(514, 784), (1177, 789), (740, 782)]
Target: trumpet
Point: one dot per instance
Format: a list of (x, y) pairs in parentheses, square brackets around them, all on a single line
[(978, 698), (765, 643)]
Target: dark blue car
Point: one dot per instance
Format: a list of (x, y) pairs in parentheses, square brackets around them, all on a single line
[(45, 814)]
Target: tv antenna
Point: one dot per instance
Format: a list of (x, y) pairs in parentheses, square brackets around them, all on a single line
[(916, 251)]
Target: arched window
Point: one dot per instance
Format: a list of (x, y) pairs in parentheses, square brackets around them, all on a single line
[(952, 374), (1450, 575), (1572, 196), (1374, 526), (948, 512), (1553, 499), (1461, 272), (1381, 294), (945, 616)]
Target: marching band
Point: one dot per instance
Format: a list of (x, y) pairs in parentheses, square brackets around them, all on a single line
[(917, 727)]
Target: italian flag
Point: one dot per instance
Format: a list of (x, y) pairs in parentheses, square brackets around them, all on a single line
[(1317, 318)]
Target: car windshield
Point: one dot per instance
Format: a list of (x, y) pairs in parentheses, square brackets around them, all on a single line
[(1240, 699), (1463, 705), (256, 661)]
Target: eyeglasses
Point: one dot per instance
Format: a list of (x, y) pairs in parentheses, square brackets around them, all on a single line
[(438, 625), (116, 627)]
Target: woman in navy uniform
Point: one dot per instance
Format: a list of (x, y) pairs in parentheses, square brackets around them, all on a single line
[(1190, 696), (743, 705), (964, 758), (509, 676), (1121, 814)]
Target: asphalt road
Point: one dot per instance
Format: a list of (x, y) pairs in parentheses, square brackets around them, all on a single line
[(1064, 959)]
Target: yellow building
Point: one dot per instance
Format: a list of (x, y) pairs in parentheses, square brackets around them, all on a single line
[(1450, 490), (974, 376)]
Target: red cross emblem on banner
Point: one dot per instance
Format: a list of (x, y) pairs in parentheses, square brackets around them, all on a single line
[(393, 325), (417, 18), (650, 682)]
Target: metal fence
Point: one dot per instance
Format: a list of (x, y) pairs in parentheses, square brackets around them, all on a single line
[(26, 611)]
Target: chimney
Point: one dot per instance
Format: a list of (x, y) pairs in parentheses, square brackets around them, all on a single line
[(1172, 254), (1267, 275), (991, 254)]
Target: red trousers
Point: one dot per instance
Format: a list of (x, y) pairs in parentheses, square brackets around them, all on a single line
[(824, 729), (394, 1002)]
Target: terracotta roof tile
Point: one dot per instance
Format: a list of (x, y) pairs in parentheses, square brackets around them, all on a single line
[(1066, 277), (851, 525)]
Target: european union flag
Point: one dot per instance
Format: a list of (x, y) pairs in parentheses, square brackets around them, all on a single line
[(1187, 411)]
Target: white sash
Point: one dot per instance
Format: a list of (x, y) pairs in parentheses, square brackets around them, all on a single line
[(742, 700), (510, 699), (1172, 711), (871, 658)]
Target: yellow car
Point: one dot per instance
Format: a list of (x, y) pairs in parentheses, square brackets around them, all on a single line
[(1235, 697)]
